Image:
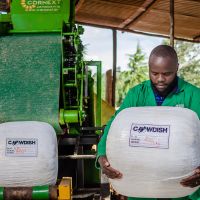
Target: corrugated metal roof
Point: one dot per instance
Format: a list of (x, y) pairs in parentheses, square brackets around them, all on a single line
[(143, 16)]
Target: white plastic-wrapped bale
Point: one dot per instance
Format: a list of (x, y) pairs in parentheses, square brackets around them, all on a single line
[(154, 148), (28, 154)]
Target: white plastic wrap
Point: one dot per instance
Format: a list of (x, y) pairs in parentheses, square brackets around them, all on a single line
[(28, 154), (154, 148)]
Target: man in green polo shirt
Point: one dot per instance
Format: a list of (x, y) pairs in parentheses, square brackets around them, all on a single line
[(164, 88)]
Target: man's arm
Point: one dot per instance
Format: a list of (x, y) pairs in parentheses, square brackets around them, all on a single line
[(127, 103), (107, 169), (102, 160), (192, 181)]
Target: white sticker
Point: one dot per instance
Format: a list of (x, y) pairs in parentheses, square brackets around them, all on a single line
[(149, 135), (21, 147)]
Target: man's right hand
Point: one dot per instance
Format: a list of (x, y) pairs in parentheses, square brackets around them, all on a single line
[(107, 169)]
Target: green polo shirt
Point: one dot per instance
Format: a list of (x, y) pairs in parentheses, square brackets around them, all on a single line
[(187, 96)]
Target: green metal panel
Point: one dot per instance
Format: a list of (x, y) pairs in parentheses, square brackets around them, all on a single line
[(30, 78), (68, 116), (40, 193), (73, 76), (39, 15), (5, 18), (4, 23), (91, 113), (98, 104), (1, 193), (91, 172)]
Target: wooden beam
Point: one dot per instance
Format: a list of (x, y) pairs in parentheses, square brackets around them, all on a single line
[(196, 37), (111, 4), (149, 27), (97, 19), (79, 5), (138, 14), (138, 32), (172, 23), (178, 17), (175, 14)]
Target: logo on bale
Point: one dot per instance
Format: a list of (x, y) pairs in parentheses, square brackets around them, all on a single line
[(21, 142), (143, 128)]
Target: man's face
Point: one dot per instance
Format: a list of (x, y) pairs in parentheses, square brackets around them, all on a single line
[(162, 72)]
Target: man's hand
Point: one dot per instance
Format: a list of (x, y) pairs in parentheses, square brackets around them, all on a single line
[(192, 181), (107, 169)]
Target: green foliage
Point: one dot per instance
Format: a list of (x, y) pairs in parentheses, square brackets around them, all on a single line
[(189, 68), (137, 73), (191, 73), (189, 61), (189, 58)]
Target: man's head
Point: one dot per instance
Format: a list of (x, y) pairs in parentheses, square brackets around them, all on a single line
[(163, 67)]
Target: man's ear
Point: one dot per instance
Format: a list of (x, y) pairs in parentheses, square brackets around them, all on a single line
[(177, 66)]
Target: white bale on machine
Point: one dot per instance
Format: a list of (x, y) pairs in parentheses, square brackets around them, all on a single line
[(154, 148), (28, 154)]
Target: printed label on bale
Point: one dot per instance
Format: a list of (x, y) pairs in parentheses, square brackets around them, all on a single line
[(21, 147), (149, 135)]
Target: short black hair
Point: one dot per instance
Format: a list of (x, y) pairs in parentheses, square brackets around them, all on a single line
[(164, 51)]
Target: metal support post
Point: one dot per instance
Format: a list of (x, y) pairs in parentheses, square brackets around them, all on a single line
[(114, 65), (172, 23)]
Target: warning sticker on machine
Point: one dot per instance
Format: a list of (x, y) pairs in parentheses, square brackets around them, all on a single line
[(149, 135), (21, 147)]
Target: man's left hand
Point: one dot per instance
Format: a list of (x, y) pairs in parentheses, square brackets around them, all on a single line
[(192, 181)]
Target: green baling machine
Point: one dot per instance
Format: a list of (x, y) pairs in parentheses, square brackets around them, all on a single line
[(44, 78)]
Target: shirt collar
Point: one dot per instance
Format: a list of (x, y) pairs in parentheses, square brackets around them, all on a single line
[(172, 89)]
